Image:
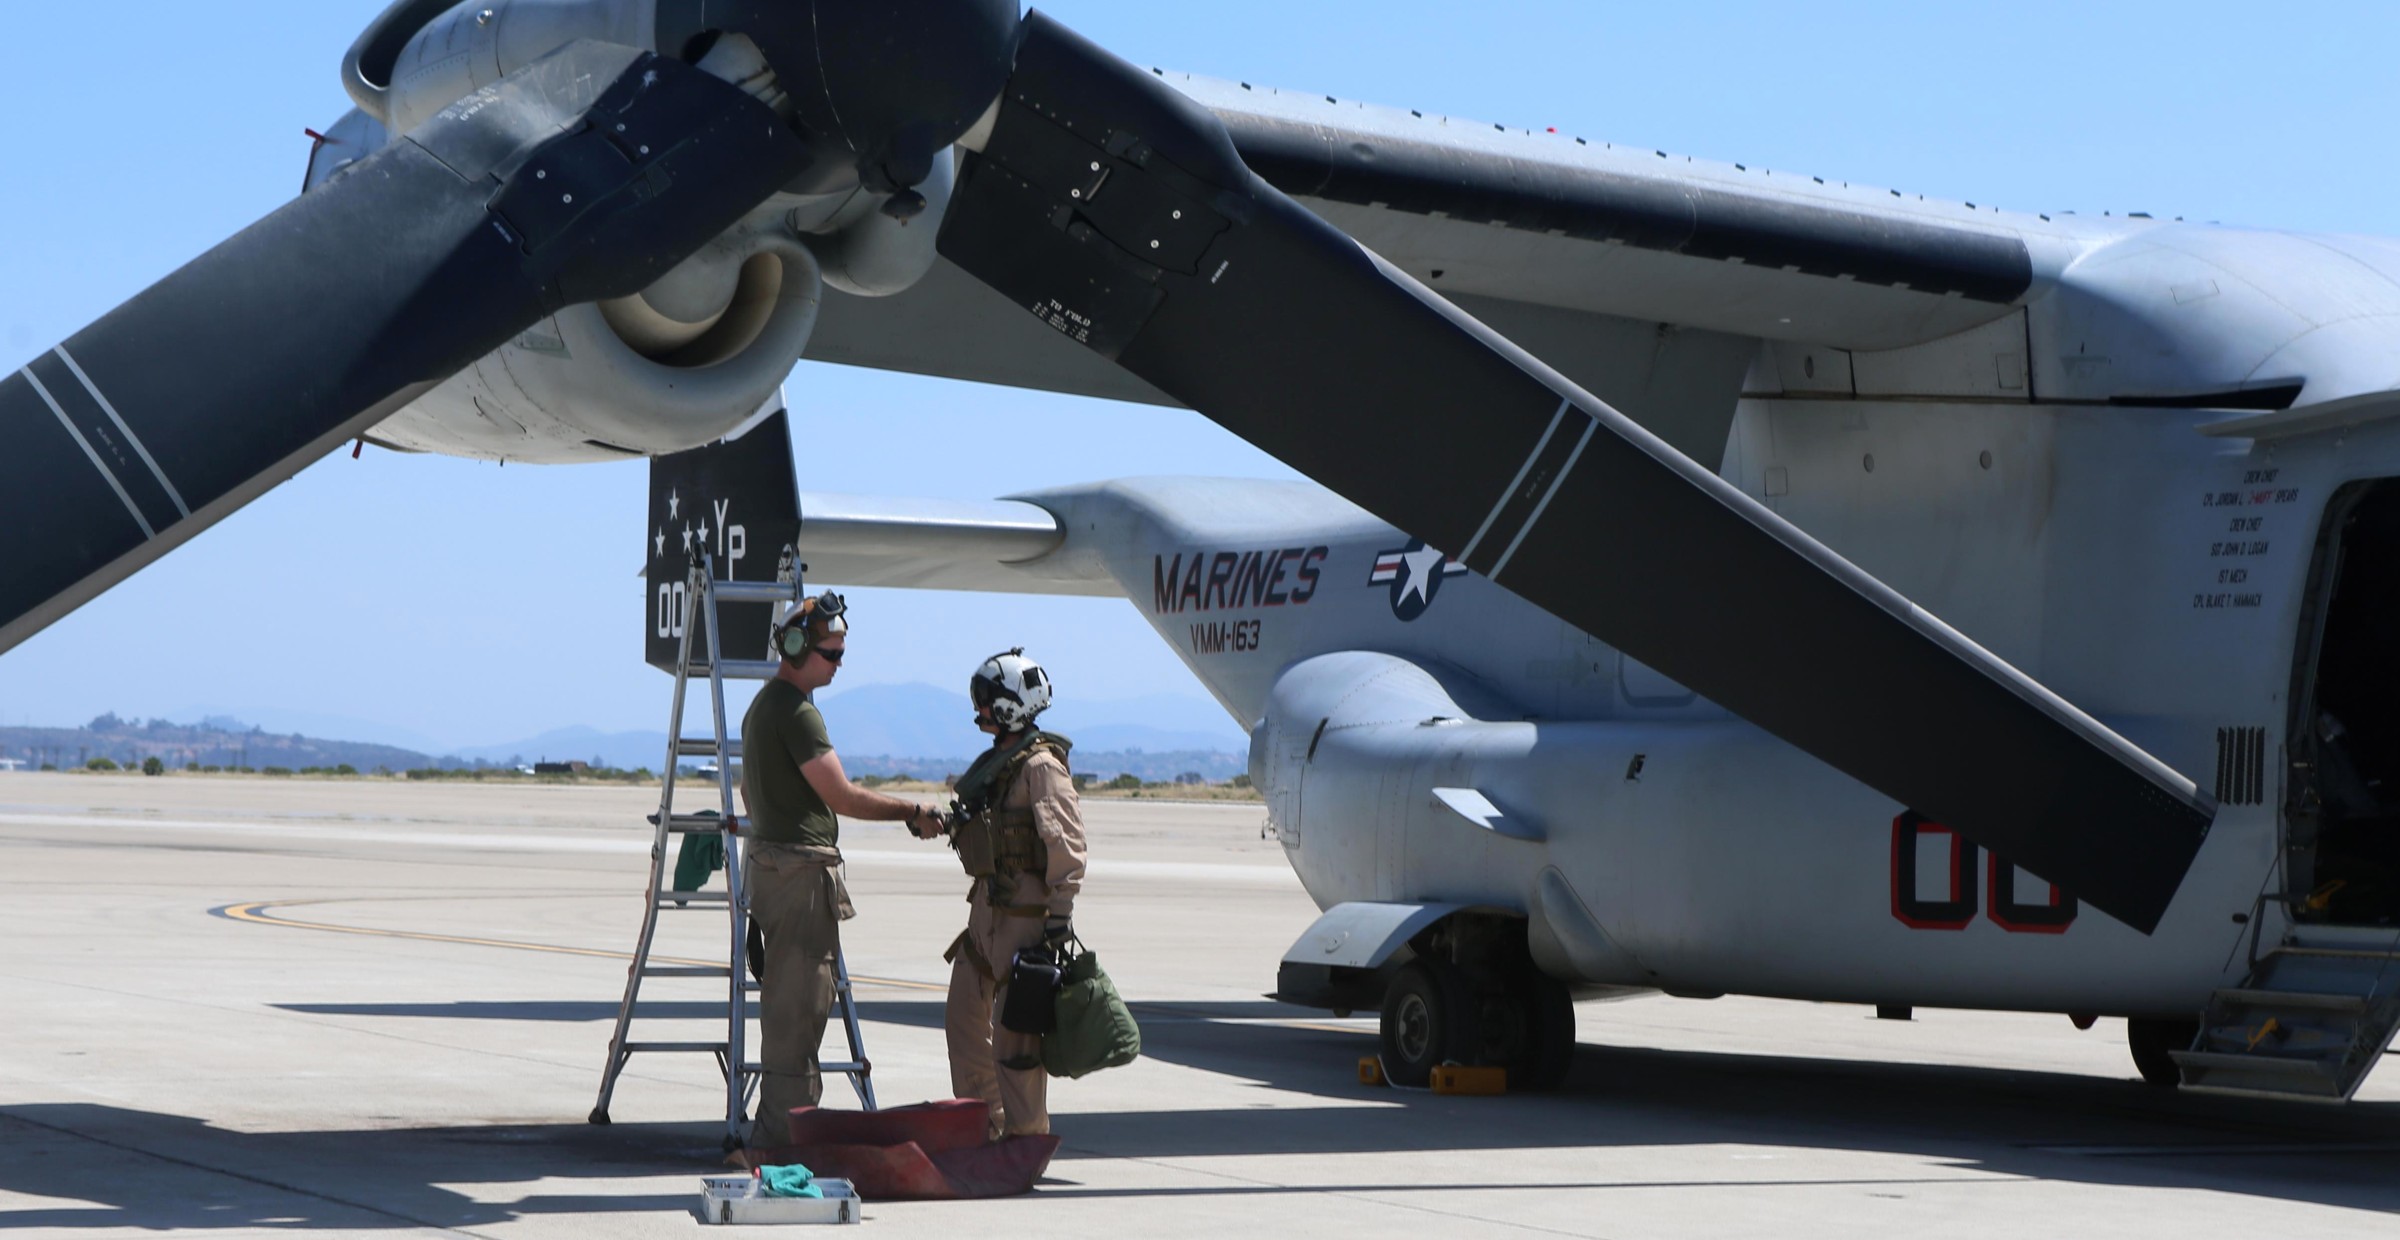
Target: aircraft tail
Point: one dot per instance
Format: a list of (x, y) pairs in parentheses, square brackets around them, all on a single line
[(738, 501)]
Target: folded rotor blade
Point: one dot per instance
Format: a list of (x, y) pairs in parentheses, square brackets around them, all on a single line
[(582, 176), (1118, 211)]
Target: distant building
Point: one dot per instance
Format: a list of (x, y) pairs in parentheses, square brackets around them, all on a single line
[(561, 768)]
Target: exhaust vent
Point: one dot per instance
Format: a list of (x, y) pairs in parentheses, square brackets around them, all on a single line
[(2241, 766)]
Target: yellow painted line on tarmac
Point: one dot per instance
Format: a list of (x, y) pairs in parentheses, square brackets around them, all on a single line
[(257, 913)]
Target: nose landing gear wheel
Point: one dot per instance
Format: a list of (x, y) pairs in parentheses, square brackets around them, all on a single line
[(2150, 1040), (1428, 1020)]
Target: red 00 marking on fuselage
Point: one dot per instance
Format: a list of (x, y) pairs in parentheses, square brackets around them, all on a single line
[(1957, 907)]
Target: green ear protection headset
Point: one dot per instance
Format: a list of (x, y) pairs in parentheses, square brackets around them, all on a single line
[(824, 611)]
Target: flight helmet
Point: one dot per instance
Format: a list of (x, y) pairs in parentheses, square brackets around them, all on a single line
[(1012, 687)]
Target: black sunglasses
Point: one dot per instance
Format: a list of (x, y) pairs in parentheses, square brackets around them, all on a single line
[(831, 654)]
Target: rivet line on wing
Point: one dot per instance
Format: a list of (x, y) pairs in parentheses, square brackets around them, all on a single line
[(86, 445), (1590, 425), (127, 431), (1516, 482)]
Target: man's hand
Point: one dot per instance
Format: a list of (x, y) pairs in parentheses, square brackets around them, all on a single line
[(925, 823)]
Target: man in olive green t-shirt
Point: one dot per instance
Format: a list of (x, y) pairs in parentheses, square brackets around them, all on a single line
[(792, 786)]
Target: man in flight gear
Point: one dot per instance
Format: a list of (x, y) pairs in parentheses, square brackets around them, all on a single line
[(793, 786), (1019, 833)]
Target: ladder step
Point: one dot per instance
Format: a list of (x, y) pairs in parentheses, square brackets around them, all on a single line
[(2264, 1065), (687, 970), (703, 824), (754, 591), (2343, 953), (2294, 999), (676, 1047), (678, 899), (706, 747), (748, 669), (2358, 938)]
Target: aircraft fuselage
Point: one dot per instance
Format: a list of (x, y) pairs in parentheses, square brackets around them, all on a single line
[(2156, 577)]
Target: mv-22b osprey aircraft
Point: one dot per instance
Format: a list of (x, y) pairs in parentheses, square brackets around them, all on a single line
[(1740, 582)]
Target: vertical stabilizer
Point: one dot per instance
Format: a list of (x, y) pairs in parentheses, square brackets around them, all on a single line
[(738, 501)]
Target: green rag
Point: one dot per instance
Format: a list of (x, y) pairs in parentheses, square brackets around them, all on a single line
[(789, 1180), (700, 856)]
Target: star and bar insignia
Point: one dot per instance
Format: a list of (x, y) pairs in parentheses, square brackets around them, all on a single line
[(1415, 574)]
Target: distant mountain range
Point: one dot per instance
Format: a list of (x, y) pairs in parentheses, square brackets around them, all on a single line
[(923, 731), (214, 742), (921, 720), (309, 723), (926, 732), (913, 729)]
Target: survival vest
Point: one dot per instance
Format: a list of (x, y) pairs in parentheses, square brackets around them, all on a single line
[(993, 842)]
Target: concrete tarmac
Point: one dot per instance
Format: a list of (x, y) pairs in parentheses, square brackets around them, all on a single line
[(265, 1006)]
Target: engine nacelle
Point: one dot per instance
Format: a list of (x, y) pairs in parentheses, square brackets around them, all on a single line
[(672, 367), (420, 56), (688, 358)]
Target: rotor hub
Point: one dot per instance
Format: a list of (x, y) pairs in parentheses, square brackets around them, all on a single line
[(879, 88)]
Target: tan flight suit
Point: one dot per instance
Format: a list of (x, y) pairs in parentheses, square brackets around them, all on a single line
[(798, 901), (981, 1050)]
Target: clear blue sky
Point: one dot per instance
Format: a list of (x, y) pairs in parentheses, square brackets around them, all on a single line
[(467, 603)]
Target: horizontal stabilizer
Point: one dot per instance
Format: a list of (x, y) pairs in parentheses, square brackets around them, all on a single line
[(1005, 546)]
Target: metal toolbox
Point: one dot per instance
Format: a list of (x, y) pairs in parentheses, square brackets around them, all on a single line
[(740, 1199)]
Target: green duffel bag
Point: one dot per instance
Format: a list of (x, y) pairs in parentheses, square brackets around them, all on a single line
[(1094, 1030)]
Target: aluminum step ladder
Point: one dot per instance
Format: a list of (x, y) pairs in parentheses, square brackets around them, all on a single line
[(701, 598), (2312, 1019)]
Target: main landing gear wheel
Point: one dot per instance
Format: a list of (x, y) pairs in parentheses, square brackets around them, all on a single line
[(2150, 1039), (1547, 1013), (1428, 1020)]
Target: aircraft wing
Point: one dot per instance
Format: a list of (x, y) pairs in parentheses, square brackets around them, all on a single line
[(1647, 279), (1563, 335), (1006, 546), (1553, 220)]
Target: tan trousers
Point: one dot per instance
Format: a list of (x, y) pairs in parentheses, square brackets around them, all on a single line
[(1018, 1098), (797, 902)]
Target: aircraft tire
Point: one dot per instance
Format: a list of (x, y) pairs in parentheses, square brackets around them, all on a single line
[(1428, 1020), (1548, 1012), (2150, 1039)]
